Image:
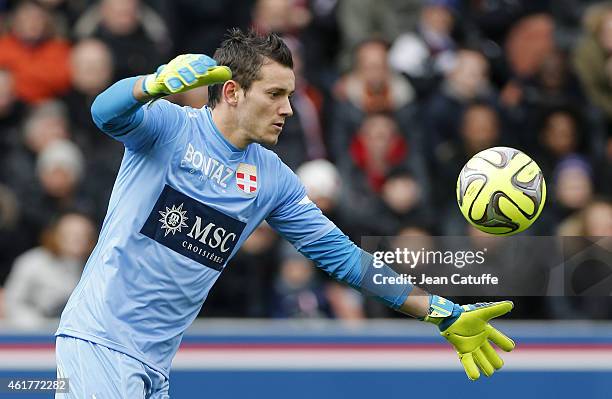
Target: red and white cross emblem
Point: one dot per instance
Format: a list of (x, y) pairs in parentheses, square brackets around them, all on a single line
[(246, 178)]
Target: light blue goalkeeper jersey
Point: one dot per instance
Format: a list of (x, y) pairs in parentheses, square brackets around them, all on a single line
[(183, 203)]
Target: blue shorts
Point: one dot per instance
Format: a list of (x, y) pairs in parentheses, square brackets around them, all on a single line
[(97, 372)]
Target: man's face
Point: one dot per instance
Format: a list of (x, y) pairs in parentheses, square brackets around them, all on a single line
[(265, 106)]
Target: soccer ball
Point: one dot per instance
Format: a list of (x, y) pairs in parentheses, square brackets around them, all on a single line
[(501, 191)]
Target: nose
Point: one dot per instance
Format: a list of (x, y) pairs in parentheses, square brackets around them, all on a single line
[(286, 110)]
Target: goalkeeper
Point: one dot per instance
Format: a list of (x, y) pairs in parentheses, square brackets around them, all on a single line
[(193, 185)]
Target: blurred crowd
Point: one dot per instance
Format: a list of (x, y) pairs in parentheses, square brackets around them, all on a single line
[(392, 98)]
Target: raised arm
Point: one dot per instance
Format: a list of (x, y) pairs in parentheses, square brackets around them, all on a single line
[(120, 110)]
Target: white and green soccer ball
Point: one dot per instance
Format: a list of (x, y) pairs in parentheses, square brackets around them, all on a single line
[(501, 191)]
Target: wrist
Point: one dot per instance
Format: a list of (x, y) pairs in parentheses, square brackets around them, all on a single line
[(442, 312), (151, 88)]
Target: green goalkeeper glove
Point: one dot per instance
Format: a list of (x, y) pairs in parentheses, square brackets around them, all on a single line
[(467, 328), (183, 73)]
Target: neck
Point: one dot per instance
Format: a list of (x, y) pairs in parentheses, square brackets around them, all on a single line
[(229, 128)]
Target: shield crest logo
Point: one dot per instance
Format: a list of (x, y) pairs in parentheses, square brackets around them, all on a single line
[(246, 178)]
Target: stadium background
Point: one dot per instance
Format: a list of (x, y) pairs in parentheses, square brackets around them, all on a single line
[(393, 96)]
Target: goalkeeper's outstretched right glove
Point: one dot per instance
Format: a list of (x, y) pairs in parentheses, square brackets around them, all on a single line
[(183, 73), (467, 328)]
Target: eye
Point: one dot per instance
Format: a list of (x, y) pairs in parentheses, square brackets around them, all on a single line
[(274, 94)]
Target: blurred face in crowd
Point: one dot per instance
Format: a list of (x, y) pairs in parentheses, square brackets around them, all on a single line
[(31, 23), (262, 239), (413, 238), (296, 272), (322, 183), (371, 64), (401, 193), (480, 239), (529, 42), (120, 16), (58, 181), (279, 15), (438, 19), (272, 15), (92, 66), (598, 219), (574, 187), (605, 32), (377, 132), (43, 130), (74, 236), (553, 71), (559, 135), (480, 128), (7, 95), (262, 109), (469, 76)]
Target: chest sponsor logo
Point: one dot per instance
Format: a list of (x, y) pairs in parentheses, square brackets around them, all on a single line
[(192, 229), (205, 166), (246, 178)]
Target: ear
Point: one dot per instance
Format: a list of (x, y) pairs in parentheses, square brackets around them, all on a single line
[(230, 92)]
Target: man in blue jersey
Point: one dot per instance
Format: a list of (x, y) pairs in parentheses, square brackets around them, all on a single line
[(193, 185)]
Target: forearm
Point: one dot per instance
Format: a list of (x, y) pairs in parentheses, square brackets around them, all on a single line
[(417, 303), (343, 260)]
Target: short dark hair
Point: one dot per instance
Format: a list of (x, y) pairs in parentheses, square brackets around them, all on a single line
[(245, 53)]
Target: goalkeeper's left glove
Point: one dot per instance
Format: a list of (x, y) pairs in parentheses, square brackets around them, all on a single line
[(467, 328), (183, 73)]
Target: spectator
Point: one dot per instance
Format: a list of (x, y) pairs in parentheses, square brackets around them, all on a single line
[(586, 266), (377, 148), (244, 286), (43, 278), (402, 202), (560, 137), (302, 139), (466, 82), (45, 124), (480, 128), (66, 12), (322, 183), (135, 33), (360, 20), (529, 43), (370, 87), (280, 16), (298, 293), (595, 220), (36, 58), (426, 53), (59, 169), (321, 43), (11, 113), (324, 187), (12, 235), (573, 188), (591, 57), (555, 83), (92, 71)]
